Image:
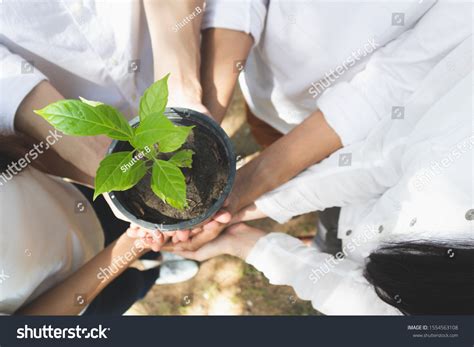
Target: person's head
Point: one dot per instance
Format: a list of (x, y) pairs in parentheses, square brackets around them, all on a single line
[(424, 277)]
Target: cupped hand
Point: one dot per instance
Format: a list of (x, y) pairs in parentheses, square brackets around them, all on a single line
[(237, 240), (191, 240)]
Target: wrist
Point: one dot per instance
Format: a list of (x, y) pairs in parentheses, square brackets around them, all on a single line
[(184, 86), (131, 248), (243, 242), (250, 183)]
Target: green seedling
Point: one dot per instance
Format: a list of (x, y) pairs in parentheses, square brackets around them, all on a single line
[(155, 134)]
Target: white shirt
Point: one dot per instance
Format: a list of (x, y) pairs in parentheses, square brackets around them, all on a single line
[(411, 179), (45, 235), (353, 60), (99, 50)]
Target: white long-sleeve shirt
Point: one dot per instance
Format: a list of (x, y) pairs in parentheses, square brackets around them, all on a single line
[(99, 50), (411, 179), (353, 60)]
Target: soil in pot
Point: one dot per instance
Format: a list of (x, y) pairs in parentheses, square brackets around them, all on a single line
[(205, 182)]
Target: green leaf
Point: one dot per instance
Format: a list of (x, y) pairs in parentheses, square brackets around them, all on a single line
[(169, 184), (74, 117), (156, 128), (118, 171), (90, 102), (116, 119), (154, 98), (183, 158)]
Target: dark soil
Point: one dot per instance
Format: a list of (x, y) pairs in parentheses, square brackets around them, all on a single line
[(205, 182)]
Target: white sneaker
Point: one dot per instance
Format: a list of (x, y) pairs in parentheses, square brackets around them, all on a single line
[(177, 271), (148, 264), (168, 256)]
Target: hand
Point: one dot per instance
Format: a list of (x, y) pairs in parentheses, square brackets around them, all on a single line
[(238, 240), (179, 97), (191, 240), (176, 236), (149, 239), (181, 100), (199, 236)]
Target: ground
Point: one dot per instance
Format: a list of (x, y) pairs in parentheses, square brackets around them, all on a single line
[(226, 285)]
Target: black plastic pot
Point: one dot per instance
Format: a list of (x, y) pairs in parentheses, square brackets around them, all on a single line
[(182, 116)]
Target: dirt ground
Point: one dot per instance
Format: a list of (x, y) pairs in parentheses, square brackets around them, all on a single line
[(226, 285)]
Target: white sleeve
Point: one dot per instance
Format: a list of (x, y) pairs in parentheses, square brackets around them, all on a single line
[(241, 15), (334, 287), (329, 183), (17, 79), (395, 71)]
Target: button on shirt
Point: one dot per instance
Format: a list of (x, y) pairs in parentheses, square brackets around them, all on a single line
[(411, 179), (354, 60)]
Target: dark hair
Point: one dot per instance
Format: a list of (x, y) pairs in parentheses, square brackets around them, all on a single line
[(424, 277)]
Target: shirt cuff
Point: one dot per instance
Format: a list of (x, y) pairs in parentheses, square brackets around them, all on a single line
[(244, 15), (14, 89), (271, 208), (264, 257), (347, 112)]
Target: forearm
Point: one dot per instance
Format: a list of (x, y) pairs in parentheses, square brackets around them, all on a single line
[(78, 157), (307, 144), (176, 48), (223, 56), (61, 300)]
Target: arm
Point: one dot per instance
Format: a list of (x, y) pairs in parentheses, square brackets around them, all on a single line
[(60, 299), (350, 110), (222, 50), (395, 71), (333, 285), (307, 144), (176, 49), (72, 157), (230, 29), (273, 167), (321, 186), (231, 41)]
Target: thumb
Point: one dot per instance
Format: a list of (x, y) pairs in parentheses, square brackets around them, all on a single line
[(223, 216)]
